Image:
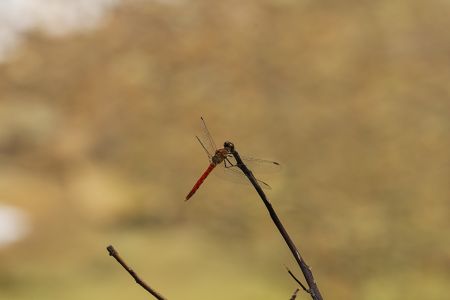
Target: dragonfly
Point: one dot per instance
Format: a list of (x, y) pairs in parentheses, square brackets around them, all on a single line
[(223, 157)]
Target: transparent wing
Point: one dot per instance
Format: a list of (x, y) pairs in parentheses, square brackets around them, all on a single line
[(204, 148), (206, 139), (234, 174), (261, 165)]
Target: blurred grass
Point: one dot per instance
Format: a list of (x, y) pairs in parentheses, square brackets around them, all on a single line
[(97, 145)]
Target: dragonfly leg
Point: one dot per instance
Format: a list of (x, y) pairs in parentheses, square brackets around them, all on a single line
[(230, 164)]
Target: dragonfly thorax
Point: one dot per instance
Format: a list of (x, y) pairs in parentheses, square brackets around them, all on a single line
[(219, 156)]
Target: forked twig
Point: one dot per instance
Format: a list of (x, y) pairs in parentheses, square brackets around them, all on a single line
[(298, 281), (306, 270), (115, 254)]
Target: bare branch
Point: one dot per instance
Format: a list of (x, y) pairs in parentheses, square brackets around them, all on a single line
[(306, 270), (115, 254)]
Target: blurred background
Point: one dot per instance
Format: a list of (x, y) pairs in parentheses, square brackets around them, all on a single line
[(100, 102)]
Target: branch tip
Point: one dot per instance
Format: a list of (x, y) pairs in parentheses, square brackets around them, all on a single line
[(294, 295), (111, 250)]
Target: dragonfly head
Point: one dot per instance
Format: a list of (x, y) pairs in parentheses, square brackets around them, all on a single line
[(229, 146)]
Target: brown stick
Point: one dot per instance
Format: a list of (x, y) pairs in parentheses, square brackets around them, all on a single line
[(306, 270), (294, 295), (115, 254)]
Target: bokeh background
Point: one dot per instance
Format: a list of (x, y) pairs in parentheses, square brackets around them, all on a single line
[(99, 105)]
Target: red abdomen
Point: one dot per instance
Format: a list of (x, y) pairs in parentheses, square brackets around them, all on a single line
[(200, 181)]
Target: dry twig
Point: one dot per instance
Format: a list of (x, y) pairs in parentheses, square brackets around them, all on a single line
[(294, 295), (306, 270), (115, 254)]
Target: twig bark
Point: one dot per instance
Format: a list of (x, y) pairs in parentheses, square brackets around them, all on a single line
[(306, 270), (115, 254)]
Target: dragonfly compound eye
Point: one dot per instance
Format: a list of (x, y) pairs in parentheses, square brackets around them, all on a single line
[(229, 145)]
